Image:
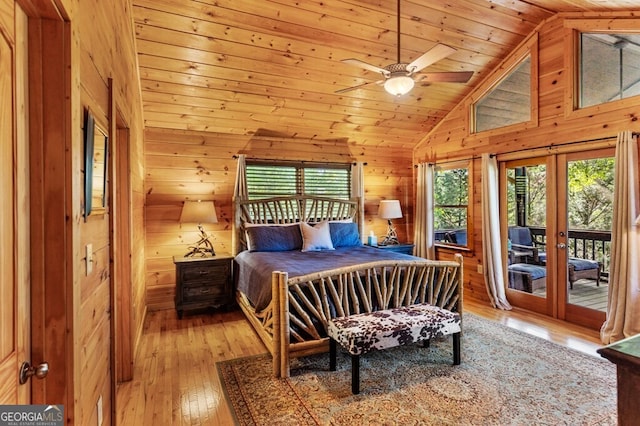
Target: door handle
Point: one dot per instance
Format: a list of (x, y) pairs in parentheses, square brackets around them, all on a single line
[(27, 370), (561, 246)]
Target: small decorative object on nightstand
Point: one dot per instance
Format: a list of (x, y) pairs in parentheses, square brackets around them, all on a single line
[(203, 282), (390, 209)]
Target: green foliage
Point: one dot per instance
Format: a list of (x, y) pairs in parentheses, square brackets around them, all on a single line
[(451, 193), (590, 185), (590, 192)]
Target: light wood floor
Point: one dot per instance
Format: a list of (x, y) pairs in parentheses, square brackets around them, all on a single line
[(176, 381)]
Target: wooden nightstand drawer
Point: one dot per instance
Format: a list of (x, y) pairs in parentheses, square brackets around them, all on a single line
[(197, 273), (200, 293), (203, 282)]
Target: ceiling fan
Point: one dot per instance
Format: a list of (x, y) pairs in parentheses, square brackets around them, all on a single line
[(399, 77)]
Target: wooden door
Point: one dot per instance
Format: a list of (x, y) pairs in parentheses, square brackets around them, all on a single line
[(585, 218), (14, 221), (566, 208), (529, 285)]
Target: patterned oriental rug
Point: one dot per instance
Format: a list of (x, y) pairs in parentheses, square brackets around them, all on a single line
[(506, 378)]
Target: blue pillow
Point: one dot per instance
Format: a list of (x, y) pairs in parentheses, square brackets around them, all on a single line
[(344, 234), (274, 238)]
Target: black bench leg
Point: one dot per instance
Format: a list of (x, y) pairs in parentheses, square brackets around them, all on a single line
[(355, 374), (332, 354), (456, 348)]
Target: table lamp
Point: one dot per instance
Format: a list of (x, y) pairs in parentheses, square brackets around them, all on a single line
[(199, 212), (390, 209)]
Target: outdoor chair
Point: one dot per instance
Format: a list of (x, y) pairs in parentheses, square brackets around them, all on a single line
[(456, 237), (523, 246)]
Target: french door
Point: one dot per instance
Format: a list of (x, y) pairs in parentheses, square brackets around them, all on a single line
[(556, 214)]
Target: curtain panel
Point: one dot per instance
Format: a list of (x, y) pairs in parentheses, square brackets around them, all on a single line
[(424, 234), (491, 238), (623, 305)]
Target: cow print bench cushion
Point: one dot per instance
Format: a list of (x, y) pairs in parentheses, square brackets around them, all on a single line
[(362, 333)]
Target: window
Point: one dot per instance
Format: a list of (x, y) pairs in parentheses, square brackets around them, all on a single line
[(609, 67), (451, 204), (267, 179), (509, 102)]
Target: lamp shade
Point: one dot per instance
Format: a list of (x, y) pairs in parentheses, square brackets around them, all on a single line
[(389, 209), (398, 85), (198, 212)]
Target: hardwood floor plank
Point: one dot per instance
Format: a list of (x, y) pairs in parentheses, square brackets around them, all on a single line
[(176, 381)]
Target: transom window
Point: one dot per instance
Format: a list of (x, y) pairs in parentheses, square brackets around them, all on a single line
[(271, 179), (451, 204), (509, 102), (609, 67)]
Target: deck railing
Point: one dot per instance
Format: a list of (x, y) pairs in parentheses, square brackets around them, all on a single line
[(584, 244)]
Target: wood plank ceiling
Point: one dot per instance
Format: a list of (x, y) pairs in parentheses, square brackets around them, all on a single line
[(271, 67)]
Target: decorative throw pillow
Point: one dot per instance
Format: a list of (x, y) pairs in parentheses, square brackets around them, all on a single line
[(316, 238), (344, 234), (274, 238)]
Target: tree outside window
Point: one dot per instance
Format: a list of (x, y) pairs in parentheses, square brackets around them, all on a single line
[(451, 196)]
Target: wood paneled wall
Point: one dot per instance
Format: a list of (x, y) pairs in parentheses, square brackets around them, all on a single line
[(104, 48), (188, 165), (451, 139)]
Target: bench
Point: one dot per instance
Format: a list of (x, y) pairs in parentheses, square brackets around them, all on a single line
[(362, 333)]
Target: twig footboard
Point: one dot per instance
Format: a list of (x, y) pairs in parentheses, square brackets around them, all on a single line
[(301, 306)]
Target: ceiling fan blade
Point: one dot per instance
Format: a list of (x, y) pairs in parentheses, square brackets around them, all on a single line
[(348, 89), (439, 51), (446, 77), (365, 65)]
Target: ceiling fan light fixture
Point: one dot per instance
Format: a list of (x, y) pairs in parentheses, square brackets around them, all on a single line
[(399, 85)]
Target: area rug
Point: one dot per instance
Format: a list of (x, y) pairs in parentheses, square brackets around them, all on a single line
[(506, 377)]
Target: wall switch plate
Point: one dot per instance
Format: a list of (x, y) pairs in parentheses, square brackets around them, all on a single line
[(89, 258), (479, 269)]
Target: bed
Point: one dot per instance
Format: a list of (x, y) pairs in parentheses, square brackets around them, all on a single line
[(291, 278)]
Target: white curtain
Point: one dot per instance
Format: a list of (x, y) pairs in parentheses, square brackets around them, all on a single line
[(240, 191), (491, 239), (424, 240), (623, 306), (357, 190)]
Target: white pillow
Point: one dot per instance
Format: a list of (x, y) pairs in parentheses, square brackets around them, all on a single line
[(316, 238)]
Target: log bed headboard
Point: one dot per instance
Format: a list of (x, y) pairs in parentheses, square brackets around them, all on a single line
[(291, 209)]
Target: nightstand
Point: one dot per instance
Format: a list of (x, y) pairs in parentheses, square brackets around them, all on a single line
[(399, 248), (203, 282)]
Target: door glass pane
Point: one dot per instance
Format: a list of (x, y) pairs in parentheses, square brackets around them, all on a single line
[(526, 215), (590, 215)]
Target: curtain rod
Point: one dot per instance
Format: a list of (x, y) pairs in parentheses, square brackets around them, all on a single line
[(637, 134), (235, 157)]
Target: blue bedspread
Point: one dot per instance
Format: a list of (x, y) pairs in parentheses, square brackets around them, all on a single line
[(255, 268)]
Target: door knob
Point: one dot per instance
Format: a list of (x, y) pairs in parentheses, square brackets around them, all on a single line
[(27, 370), (561, 246)]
